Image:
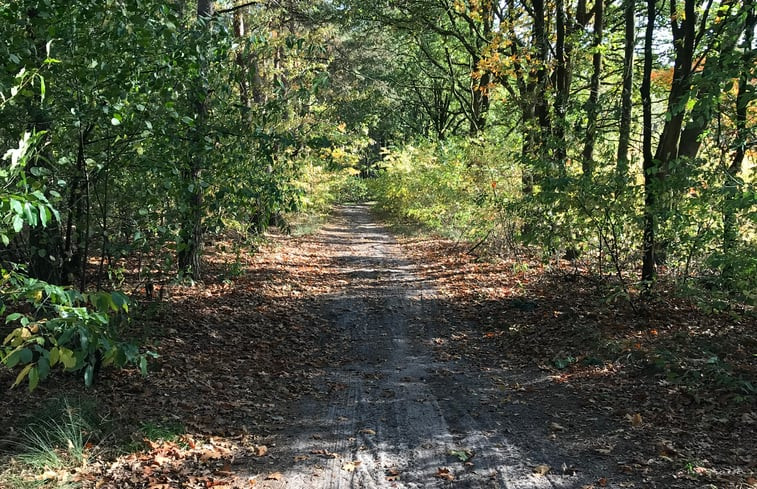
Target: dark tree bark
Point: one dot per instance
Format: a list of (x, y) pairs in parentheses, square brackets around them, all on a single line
[(648, 268), (626, 104), (562, 85), (592, 104), (191, 234), (684, 36), (541, 107)]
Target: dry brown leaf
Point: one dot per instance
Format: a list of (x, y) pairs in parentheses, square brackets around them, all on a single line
[(542, 469), (261, 450), (602, 482), (367, 431), (751, 481), (300, 458), (275, 476), (444, 473), (636, 420), (188, 440)]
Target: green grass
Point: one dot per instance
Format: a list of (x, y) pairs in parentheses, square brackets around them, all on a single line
[(61, 436), (164, 430)]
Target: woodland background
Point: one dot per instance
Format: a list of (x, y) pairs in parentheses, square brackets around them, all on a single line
[(614, 138)]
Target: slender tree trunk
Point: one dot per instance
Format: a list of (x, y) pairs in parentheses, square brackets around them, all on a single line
[(480, 88), (541, 108), (562, 86), (626, 104), (244, 86), (651, 177), (191, 234), (684, 34), (592, 104)]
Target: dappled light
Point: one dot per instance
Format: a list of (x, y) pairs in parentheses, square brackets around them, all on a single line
[(398, 244)]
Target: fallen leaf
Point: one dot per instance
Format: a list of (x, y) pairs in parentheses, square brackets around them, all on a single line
[(367, 431), (542, 469), (261, 450), (47, 475), (188, 440), (444, 473), (300, 458), (351, 466), (751, 481), (602, 482), (635, 420), (276, 476)]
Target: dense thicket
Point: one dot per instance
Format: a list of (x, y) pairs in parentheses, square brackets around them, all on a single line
[(619, 134)]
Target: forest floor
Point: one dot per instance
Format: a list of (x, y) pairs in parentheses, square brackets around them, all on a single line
[(355, 358)]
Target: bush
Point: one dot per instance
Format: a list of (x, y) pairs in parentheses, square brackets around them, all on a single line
[(53, 326)]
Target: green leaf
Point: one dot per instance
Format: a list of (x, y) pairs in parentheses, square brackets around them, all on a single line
[(120, 301), (16, 206), (30, 213), (43, 365), (68, 358), (33, 378), (44, 214), (13, 317), (18, 223), (13, 359), (54, 356), (26, 355), (22, 374), (89, 374)]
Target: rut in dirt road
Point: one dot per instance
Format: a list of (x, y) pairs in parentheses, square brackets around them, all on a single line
[(395, 416)]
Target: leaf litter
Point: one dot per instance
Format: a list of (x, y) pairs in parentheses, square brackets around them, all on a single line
[(654, 389)]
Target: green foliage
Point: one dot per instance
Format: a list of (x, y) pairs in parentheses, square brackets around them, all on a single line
[(700, 375), (60, 328), (457, 187)]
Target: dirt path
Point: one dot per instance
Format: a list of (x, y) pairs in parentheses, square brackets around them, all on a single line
[(396, 415)]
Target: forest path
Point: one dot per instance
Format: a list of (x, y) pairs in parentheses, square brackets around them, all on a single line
[(395, 414)]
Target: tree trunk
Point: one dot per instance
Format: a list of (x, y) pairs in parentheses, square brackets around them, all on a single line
[(651, 177), (244, 85), (592, 104), (626, 104), (562, 86), (683, 28), (541, 108), (191, 235)]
